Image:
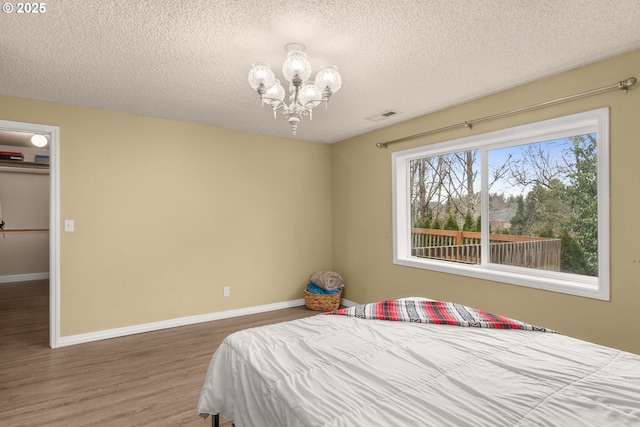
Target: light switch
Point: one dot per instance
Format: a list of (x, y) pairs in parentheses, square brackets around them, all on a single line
[(68, 225)]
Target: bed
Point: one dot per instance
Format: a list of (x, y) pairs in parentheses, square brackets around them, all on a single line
[(389, 366)]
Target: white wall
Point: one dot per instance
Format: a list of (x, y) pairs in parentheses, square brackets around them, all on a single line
[(24, 197)]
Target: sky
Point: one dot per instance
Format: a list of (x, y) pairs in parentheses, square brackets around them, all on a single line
[(553, 151)]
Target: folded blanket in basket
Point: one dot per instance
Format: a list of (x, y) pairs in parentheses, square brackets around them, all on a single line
[(311, 287), (327, 280)]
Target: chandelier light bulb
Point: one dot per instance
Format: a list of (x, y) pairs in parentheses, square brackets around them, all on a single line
[(261, 75), (296, 66), (328, 77), (275, 95), (310, 96)]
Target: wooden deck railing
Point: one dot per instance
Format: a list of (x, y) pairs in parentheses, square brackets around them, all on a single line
[(464, 246)]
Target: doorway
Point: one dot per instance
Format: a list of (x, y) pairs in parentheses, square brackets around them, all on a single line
[(51, 133)]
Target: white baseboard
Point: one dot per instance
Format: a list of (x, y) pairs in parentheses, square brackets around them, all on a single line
[(23, 277), (172, 323), (348, 303)]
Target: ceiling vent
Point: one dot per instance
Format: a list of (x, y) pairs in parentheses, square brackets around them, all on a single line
[(384, 115)]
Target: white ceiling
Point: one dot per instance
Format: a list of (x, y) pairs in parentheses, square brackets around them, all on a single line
[(189, 61)]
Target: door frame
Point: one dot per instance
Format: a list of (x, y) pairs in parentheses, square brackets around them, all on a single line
[(54, 219)]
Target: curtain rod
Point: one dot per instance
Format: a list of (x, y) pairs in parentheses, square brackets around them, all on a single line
[(622, 85)]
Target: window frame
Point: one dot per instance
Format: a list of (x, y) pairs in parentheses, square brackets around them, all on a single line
[(594, 121)]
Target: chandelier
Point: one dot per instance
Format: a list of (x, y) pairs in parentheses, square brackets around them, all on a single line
[(304, 94)]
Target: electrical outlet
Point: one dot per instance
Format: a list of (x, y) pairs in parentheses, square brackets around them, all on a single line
[(226, 291)]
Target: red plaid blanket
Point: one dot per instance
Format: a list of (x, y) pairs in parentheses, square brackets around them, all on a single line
[(438, 312)]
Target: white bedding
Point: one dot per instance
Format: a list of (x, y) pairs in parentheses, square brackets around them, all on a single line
[(345, 371)]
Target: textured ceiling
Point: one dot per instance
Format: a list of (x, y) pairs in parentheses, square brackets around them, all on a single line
[(189, 61)]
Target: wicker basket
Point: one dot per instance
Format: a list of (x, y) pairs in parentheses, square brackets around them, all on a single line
[(322, 302)]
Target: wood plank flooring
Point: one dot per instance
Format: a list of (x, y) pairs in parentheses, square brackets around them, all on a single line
[(146, 379)]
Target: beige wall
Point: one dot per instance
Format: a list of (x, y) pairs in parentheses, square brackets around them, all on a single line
[(362, 234), (168, 213)]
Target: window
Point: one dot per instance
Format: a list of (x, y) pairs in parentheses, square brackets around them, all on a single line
[(526, 205)]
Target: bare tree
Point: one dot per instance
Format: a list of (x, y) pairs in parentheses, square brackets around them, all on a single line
[(445, 184), (534, 166)]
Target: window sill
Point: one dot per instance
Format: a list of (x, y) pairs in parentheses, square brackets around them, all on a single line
[(571, 284)]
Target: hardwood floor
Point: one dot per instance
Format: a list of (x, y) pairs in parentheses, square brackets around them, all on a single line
[(151, 378)]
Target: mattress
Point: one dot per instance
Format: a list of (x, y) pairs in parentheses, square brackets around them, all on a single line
[(348, 371)]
